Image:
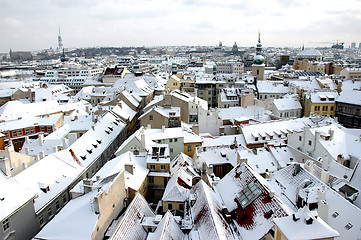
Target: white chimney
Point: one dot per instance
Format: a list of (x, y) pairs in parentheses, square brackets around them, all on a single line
[(41, 139), (309, 166), (325, 176), (41, 154), (163, 128), (325, 163), (331, 132), (26, 139), (65, 143), (142, 137), (27, 151), (322, 206), (55, 148), (72, 137), (149, 126)]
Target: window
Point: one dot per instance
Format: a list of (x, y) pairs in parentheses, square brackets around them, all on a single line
[(162, 167), (348, 226), (171, 140), (27, 131), (170, 206), (335, 214), (309, 142), (15, 134), (171, 150), (49, 129), (152, 166), (151, 117), (151, 179), (6, 224), (32, 130), (181, 207), (41, 220), (64, 198), (42, 129), (189, 148), (20, 133), (300, 138), (50, 212), (176, 140), (57, 205), (331, 108)]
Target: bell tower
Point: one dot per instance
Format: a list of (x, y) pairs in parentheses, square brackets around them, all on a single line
[(258, 61)]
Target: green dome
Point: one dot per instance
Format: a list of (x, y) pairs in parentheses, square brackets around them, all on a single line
[(258, 59)]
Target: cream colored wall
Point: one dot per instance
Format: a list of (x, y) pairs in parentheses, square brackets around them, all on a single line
[(110, 204), (193, 147), (16, 161), (172, 84), (157, 122), (175, 205)]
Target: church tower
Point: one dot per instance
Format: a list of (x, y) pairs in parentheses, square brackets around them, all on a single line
[(258, 61), (60, 41)]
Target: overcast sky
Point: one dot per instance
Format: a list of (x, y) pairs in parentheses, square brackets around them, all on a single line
[(33, 24)]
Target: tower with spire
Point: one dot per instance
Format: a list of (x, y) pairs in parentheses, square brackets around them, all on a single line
[(258, 61), (60, 42)]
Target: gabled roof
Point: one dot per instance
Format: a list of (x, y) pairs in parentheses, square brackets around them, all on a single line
[(302, 228), (182, 161), (130, 225), (167, 229), (206, 214), (12, 196), (177, 187), (255, 219), (341, 213)]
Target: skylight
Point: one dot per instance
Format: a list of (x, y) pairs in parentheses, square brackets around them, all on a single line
[(248, 194)]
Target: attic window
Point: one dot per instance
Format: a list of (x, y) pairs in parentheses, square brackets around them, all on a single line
[(95, 145), (248, 194), (335, 214), (223, 154), (115, 123), (107, 132), (83, 157), (348, 226), (99, 141), (89, 151), (110, 128)]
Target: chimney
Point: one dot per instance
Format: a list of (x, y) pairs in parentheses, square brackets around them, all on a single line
[(129, 167), (55, 148), (41, 139), (309, 166), (41, 154), (27, 151), (331, 132), (325, 163), (163, 128), (167, 100), (87, 184), (26, 139), (325, 176), (65, 143), (322, 206), (149, 126), (195, 129), (142, 137)]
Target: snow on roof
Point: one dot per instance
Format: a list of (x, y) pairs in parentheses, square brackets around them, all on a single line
[(191, 137), (167, 229), (60, 169), (130, 225), (252, 112), (262, 161), (185, 162), (255, 219), (131, 98), (7, 92), (350, 96), (299, 229), (271, 87), (156, 100), (13, 196), (151, 135), (222, 140), (284, 127), (76, 220), (309, 53), (323, 97), (217, 155), (206, 214), (29, 122), (285, 104), (282, 155), (340, 211), (177, 187), (306, 85)]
